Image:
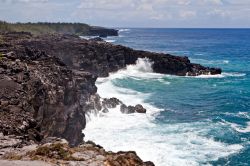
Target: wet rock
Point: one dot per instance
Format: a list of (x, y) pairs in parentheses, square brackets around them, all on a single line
[(105, 110), (139, 108), (132, 109), (111, 103), (124, 109)]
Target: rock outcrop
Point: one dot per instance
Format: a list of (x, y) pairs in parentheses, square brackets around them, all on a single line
[(114, 102), (103, 32), (111, 103), (56, 151), (41, 97), (101, 58), (132, 109)]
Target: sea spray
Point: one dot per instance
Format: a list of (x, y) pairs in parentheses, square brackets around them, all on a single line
[(164, 144)]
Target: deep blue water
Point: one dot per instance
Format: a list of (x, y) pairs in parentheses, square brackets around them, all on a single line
[(215, 99), (216, 109)]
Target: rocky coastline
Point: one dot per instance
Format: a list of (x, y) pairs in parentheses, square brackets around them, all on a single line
[(47, 86)]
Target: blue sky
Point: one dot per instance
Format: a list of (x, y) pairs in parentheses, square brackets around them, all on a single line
[(131, 13)]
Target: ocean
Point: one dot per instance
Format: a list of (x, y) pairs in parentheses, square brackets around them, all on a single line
[(203, 120)]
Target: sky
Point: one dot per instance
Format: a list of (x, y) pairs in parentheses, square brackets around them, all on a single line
[(132, 13)]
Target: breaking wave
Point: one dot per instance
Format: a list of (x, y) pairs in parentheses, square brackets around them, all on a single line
[(164, 144), (124, 30)]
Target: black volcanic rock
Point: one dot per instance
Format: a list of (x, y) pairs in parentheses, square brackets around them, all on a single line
[(101, 58), (140, 109), (103, 32), (132, 109), (111, 103), (41, 97)]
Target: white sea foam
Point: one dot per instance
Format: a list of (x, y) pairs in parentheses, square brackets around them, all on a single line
[(239, 115), (142, 70), (209, 62), (91, 37), (244, 114), (124, 30), (224, 74), (208, 76), (110, 40), (164, 144), (239, 128), (88, 37), (235, 74)]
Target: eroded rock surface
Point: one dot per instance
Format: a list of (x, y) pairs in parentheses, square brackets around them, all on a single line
[(40, 96), (101, 58), (58, 152), (132, 109)]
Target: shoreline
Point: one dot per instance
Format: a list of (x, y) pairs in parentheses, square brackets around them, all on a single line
[(48, 86)]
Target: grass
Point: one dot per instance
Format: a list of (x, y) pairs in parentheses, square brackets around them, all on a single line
[(49, 28), (1, 39), (12, 156), (54, 151), (45, 28)]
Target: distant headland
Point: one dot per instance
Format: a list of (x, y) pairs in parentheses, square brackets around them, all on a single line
[(40, 28)]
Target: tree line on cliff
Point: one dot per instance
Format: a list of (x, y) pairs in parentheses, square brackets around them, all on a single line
[(50, 28)]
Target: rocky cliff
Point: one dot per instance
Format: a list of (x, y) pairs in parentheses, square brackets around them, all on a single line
[(41, 96), (47, 85), (101, 58)]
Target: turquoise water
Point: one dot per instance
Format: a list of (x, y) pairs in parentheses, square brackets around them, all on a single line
[(192, 120)]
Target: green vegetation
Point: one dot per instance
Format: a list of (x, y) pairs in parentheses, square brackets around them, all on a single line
[(49, 28), (1, 39), (12, 156), (56, 151)]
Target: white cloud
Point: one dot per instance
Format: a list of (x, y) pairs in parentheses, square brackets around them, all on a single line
[(215, 2), (184, 2), (137, 13), (218, 12), (187, 14), (22, 1)]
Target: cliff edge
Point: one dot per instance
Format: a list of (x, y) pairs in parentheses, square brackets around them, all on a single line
[(47, 85)]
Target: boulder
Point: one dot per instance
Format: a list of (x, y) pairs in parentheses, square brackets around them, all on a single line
[(139, 109), (132, 109), (125, 109), (111, 103)]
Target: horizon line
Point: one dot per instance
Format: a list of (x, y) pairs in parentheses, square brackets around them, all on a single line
[(107, 26)]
